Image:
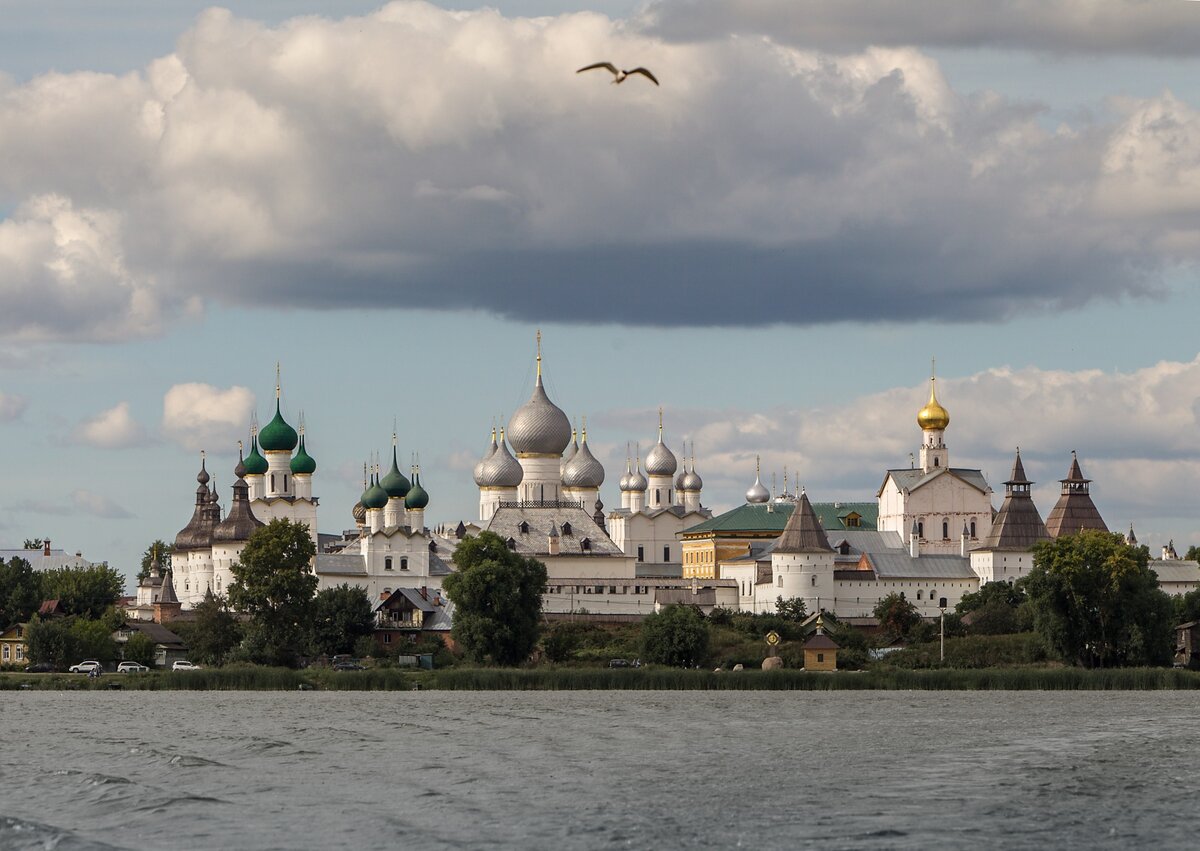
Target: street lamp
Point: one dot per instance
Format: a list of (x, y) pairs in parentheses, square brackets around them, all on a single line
[(942, 629)]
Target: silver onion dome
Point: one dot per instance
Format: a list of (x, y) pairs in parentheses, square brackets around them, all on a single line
[(623, 482), (539, 427), (637, 480), (583, 471), (691, 480), (501, 470), (757, 494), (661, 461), (487, 456), (571, 452)]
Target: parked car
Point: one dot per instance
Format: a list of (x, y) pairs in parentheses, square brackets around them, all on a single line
[(131, 668), (619, 663), (88, 667), (39, 668), (184, 665), (348, 666)]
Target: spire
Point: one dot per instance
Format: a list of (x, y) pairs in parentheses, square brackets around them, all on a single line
[(278, 385), (539, 356), (660, 424)]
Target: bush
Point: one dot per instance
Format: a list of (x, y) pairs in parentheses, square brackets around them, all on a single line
[(561, 640), (139, 648), (675, 636)]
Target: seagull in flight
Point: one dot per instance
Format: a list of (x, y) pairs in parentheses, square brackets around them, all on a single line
[(620, 76)]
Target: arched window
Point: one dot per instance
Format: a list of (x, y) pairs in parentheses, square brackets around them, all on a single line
[(920, 528), (387, 563), (918, 595), (285, 481), (937, 462), (404, 564), (972, 527), (657, 495), (945, 530), (814, 581), (272, 481), (779, 581)]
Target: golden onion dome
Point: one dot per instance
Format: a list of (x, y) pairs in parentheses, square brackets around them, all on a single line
[(933, 417)]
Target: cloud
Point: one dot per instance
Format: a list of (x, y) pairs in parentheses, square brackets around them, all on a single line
[(78, 502), (418, 157), (111, 429), (12, 407), (200, 416), (1054, 26), (1136, 434), (65, 277)]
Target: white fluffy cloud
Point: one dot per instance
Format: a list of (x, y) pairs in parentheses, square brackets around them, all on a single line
[(427, 158), (200, 416), (112, 429), (1165, 27), (12, 406)]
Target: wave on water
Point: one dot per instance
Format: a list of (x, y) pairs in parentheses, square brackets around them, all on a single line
[(25, 835)]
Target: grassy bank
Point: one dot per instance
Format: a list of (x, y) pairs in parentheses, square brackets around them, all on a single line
[(567, 679)]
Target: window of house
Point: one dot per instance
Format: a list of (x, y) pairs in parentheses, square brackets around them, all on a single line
[(641, 554), (272, 481), (566, 528), (586, 544), (945, 530), (657, 495), (918, 595), (937, 462), (920, 528), (5, 654), (820, 657), (779, 581), (972, 527), (404, 564), (285, 481), (387, 563), (666, 553), (814, 581), (387, 638), (524, 527), (511, 544)]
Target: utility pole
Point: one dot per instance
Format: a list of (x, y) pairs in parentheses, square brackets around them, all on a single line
[(942, 629)]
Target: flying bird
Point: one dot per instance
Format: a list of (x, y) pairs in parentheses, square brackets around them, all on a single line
[(620, 76)]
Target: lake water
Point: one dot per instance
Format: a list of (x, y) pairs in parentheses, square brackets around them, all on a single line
[(567, 770)]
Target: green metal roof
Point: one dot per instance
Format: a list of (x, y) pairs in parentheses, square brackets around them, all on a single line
[(756, 518)]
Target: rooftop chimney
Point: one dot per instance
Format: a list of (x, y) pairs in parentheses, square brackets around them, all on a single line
[(46, 547)]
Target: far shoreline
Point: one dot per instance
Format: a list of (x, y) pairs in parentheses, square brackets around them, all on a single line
[(247, 678)]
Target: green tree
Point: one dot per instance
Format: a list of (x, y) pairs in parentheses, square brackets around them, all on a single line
[(1193, 553), (212, 633), (341, 616), (675, 636), (1187, 607), (33, 543), (160, 550), (20, 591), (85, 591), (497, 597), (94, 639), (1097, 603), (52, 642), (896, 615), (139, 648), (792, 610), (274, 585), (1005, 593)]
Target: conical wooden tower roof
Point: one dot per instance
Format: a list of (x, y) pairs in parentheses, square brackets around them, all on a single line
[(803, 532), (1017, 526), (1074, 510)]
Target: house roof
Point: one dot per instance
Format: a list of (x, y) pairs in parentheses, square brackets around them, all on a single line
[(771, 517), (1176, 570), (38, 560), (685, 597), (156, 632), (821, 641), (888, 556), (911, 478), (506, 523), (412, 595)]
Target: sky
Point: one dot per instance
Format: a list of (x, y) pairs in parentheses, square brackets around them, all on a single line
[(390, 200)]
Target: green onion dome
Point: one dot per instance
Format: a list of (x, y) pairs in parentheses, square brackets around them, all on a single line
[(277, 435), (417, 496), (255, 464), (302, 462), (394, 483), (375, 497)]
